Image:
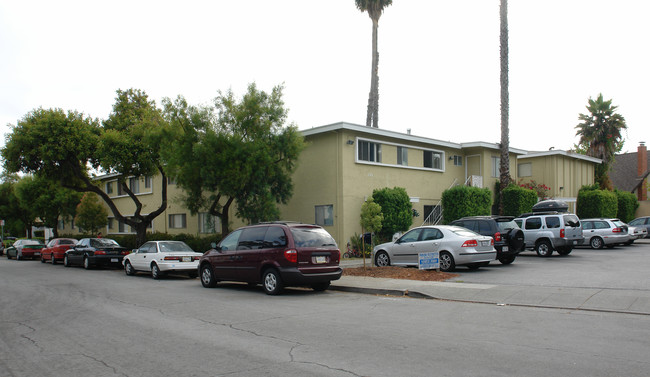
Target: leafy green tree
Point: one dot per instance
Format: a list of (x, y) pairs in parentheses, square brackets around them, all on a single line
[(600, 133), (504, 164), (238, 152), (10, 209), (91, 214), (371, 220), (47, 200), (396, 208), (375, 9), (64, 147)]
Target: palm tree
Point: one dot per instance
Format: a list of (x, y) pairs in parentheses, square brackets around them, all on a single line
[(504, 165), (375, 8), (600, 135)]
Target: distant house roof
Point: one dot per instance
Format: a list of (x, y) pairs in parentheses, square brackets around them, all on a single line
[(562, 153), (402, 136), (624, 174)]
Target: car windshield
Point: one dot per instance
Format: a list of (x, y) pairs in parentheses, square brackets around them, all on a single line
[(103, 242), (31, 242), (311, 237), (171, 247), (507, 225)]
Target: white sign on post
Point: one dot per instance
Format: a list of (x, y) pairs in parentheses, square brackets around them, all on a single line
[(428, 261)]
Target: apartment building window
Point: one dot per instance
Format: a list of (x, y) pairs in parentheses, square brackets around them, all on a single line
[(432, 160), (402, 156), (209, 223), (369, 151), (134, 185), (325, 215), (458, 160), (171, 181), (61, 224), (496, 161), (110, 223), (121, 227), (178, 221), (109, 187), (147, 182), (525, 170)]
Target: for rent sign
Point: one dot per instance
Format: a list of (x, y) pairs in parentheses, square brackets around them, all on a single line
[(428, 261)]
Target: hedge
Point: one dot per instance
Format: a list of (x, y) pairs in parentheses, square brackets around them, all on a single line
[(627, 205), (461, 201), (596, 204), (518, 200), (200, 244)]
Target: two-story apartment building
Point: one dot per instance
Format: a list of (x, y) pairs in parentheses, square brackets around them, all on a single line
[(343, 163)]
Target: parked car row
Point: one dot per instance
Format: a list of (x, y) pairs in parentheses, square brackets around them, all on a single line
[(276, 255), (544, 231)]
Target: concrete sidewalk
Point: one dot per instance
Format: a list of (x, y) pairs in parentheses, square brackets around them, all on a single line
[(591, 299)]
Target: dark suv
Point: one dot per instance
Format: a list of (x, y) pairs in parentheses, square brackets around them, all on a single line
[(274, 254), (508, 238)]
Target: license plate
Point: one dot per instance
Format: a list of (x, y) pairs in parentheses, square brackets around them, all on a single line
[(114, 260), (187, 259), (37, 254), (505, 248), (485, 243), (319, 260)]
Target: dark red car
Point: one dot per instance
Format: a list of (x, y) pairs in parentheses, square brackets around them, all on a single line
[(55, 249), (274, 254)]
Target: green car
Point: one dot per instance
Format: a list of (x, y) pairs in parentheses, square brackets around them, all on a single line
[(25, 249)]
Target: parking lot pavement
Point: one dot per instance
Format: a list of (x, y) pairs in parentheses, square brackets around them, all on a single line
[(591, 297)]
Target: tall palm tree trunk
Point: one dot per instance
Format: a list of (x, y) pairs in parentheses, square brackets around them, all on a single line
[(504, 168), (373, 96)]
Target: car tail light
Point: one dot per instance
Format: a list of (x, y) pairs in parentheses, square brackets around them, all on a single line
[(470, 243), (561, 233), (173, 258), (126, 252), (291, 255), (617, 230), (492, 242), (497, 236), (337, 256), (196, 258), (100, 252)]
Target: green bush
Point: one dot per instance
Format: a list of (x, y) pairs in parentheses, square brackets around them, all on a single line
[(461, 201), (596, 203), (518, 200), (627, 205), (197, 243), (396, 208)]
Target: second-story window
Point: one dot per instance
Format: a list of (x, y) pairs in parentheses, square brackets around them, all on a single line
[(134, 185), (369, 151), (109, 187), (402, 156), (432, 160)]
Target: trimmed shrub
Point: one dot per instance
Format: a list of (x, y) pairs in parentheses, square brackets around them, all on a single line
[(461, 201), (596, 203), (397, 210), (518, 200), (199, 244), (627, 205)]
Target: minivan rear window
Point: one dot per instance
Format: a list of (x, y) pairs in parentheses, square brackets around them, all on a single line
[(311, 237)]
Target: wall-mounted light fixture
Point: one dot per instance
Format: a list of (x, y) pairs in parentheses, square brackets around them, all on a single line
[(561, 187), (451, 158), (350, 142)]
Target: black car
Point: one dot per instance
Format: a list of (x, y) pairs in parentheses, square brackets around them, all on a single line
[(508, 237), (274, 254), (89, 252)]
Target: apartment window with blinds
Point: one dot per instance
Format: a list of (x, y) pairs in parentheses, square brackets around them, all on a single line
[(369, 151), (134, 185), (496, 161), (432, 160), (178, 221), (325, 215), (402, 156), (209, 223)]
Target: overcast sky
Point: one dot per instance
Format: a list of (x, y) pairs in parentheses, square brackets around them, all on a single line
[(438, 66)]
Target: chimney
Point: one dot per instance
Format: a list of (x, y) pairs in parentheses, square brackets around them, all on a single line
[(642, 168)]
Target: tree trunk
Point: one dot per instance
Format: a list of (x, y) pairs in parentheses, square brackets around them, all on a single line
[(504, 168), (373, 96)]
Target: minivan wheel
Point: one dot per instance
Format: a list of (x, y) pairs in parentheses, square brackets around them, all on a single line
[(271, 282), (544, 248), (446, 262), (382, 259), (207, 277), (596, 243)]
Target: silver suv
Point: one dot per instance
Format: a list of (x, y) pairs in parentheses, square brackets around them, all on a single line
[(548, 231), (605, 232)]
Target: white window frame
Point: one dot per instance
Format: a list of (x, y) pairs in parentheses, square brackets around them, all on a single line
[(402, 156), (442, 153), (496, 161), (174, 218)]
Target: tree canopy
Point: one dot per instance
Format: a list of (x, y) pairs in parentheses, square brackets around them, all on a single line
[(237, 151), (600, 132), (396, 209), (91, 214)]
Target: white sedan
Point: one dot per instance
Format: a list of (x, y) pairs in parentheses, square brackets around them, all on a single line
[(161, 257), (455, 245)]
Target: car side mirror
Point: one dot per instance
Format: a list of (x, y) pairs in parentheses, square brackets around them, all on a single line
[(134, 251)]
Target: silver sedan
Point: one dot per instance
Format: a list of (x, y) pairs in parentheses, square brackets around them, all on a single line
[(456, 246)]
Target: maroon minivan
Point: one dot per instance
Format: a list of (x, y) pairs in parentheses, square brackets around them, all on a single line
[(276, 254)]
